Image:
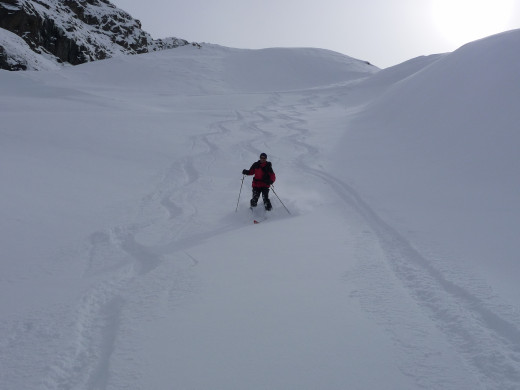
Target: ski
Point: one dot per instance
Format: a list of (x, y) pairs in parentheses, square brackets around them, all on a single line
[(258, 216)]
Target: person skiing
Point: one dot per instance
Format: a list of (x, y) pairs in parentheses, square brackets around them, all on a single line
[(263, 177)]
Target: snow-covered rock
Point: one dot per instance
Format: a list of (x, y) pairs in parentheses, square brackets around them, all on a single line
[(70, 31), (15, 54)]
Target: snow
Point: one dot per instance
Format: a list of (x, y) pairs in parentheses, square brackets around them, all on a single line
[(102, 31), (92, 36), (18, 51), (125, 265)]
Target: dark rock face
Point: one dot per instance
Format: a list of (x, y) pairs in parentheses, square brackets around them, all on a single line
[(75, 31)]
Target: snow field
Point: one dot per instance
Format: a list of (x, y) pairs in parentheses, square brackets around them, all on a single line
[(131, 268)]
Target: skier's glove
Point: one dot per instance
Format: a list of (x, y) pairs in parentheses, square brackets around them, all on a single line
[(245, 172)]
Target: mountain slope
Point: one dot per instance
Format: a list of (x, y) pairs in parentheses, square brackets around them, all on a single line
[(131, 268), (450, 132), (15, 54), (72, 32)]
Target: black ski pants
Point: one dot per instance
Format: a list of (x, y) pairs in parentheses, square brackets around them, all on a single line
[(265, 196)]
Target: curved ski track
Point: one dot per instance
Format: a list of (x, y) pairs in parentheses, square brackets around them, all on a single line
[(485, 334), (172, 219)]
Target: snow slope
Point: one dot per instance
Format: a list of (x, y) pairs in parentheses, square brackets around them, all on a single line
[(454, 153), (125, 265), (17, 51)]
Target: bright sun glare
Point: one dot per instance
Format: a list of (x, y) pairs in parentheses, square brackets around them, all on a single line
[(462, 21)]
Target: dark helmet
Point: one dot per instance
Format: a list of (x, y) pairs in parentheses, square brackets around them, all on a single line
[(263, 155)]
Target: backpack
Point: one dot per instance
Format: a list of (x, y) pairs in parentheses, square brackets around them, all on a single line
[(266, 177)]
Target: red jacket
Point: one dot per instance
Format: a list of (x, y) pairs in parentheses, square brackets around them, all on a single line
[(263, 174)]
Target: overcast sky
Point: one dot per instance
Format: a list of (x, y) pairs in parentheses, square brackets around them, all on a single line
[(383, 32)]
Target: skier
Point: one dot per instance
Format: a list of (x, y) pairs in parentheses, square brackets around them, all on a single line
[(263, 178)]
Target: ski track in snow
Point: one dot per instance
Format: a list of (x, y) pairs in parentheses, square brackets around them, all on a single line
[(487, 340), (86, 363), (485, 335)]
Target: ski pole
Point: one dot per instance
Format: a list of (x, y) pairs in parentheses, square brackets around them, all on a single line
[(274, 192), (238, 201)]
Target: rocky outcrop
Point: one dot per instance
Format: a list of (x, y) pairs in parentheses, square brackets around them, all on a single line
[(74, 31), (15, 54)]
